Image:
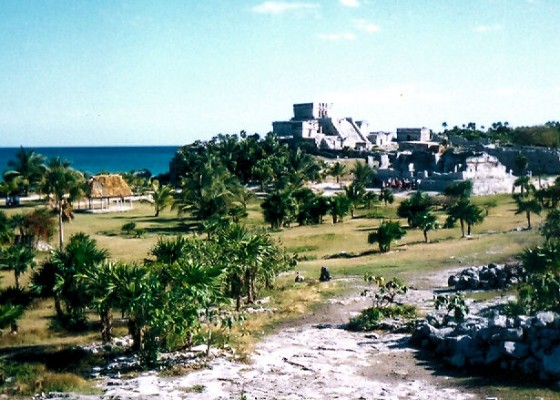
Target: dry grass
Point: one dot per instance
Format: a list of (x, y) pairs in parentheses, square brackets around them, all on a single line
[(496, 240)]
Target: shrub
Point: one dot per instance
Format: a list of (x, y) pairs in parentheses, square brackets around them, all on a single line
[(369, 319), (129, 227)]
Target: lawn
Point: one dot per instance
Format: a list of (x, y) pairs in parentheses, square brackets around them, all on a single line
[(342, 247)]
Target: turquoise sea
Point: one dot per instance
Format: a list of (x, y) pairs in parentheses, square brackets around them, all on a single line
[(96, 159)]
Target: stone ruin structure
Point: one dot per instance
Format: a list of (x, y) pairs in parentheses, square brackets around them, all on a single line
[(424, 163), (313, 123), (433, 169)]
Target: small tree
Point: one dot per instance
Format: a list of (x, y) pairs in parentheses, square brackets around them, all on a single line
[(386, 234), (337, 170), (386, 196), (339, 206), (551, 227), (162, 197), (427, 222), (18, 258), (527, 204)]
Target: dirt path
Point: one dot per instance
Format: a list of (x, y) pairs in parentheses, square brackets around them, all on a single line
[(312, 359)]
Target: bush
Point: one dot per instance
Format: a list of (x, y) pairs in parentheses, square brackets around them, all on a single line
[(129, 227), (369, 319)]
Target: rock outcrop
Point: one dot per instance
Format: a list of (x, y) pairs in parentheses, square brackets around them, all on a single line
[(491, 276), (526, 345)]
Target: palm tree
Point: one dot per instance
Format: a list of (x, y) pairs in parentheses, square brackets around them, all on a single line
[(29, 166), (551, 227), (524, 183), (355, 194), (363, 174), (339, 206), (9, 314), (279, 208), (337, 170), (427, 221), (418, 203), (80, 255), (466, 213), (100, 283), (6, 229), (386, 234), (527, 205), (162, 197), (386, 196), (65, 184), (18, 258)]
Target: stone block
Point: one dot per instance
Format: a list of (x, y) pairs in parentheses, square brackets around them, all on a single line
[(515, 349)]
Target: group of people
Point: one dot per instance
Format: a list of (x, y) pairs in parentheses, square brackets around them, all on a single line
[(399, 184)]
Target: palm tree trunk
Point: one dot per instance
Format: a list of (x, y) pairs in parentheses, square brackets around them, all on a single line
[(60, 228), (528, 220), (106, 325)]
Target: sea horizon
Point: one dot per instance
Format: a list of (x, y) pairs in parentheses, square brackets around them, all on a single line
[(96, 159)]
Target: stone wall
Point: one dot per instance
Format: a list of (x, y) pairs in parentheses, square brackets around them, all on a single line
[(526, 345), (541, 160)]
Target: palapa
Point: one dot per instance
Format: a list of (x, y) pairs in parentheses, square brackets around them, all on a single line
[(107, 186)]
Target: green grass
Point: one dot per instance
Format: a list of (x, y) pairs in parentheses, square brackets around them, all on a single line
[(497, 239)]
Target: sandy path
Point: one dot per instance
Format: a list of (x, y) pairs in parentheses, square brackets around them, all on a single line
[(311, 359)]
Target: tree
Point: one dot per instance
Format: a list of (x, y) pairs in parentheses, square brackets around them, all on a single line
[(279, 208), (386, 196), (9, 314), (339, 206), (6, 229), (65, 184), (80, 255), (459, 190), (386, 234), (521, 163), (418, 203), (466, 213), (363, 174), (210, 191), (427, 222), (29, 166), (337, 170), (527, 205), (524, 183), (100, 283), (18, 258), (551, 227), (355, 194), (162, 197)]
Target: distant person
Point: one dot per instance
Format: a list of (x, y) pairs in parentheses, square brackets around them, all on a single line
[(325, 275), (299, 277)]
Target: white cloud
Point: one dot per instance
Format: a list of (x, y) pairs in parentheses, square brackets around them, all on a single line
[(280, 7), (350, 3), (366, 26), (336, 36), (488, 28)]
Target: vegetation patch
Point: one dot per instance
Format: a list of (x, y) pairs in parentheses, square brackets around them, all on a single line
[(370, 318)]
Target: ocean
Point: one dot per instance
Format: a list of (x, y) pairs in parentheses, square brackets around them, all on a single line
[(97, 159)]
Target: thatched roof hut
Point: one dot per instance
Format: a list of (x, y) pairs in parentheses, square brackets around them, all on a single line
[(107, 187)]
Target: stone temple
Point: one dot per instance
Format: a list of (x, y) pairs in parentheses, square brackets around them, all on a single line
[(312, 122)]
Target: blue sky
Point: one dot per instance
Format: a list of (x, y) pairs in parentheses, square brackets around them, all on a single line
[(170, 72)]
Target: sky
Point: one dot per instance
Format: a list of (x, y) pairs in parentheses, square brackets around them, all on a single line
[(140, 72)]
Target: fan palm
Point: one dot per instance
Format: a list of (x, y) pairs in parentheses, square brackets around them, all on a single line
[(29, 166)]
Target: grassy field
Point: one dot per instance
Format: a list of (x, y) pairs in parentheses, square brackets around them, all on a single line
[(343, 248)]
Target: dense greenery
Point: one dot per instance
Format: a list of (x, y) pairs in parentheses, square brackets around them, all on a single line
[(547, 135)]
